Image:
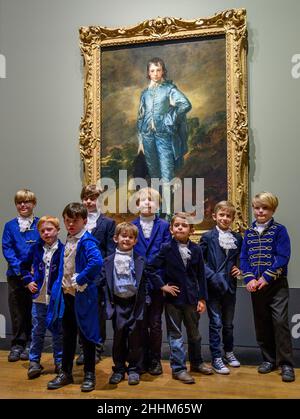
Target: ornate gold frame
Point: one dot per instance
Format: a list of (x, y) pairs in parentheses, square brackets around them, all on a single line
[(232, 24)]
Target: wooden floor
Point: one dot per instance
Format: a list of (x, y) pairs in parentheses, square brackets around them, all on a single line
[(243, 382)]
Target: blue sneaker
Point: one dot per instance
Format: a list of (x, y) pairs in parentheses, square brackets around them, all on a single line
[(231, 360), (219, 367)]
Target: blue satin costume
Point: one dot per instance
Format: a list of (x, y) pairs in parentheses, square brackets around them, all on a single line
[(162, 129)]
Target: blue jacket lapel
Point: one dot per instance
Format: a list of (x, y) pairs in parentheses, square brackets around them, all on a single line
[(176, 253), (138, 265)]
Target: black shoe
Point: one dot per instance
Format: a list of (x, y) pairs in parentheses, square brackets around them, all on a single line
[(133, 378), (202, 368), (97, 358), (266, 367), (183, 376), (287, 373), (89, 382), (80, 359), (58, 368), (62, 379), (155, 368), (24, 356), (34, 370), (15, 353), (116, 378)]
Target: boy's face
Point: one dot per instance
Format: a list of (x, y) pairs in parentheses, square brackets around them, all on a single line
[(48, 233), (262, 213), (74, 225), (224, 218), (25, 208), (125, 241), (155, 72), (147, 206), (90, 203), (181, 230)]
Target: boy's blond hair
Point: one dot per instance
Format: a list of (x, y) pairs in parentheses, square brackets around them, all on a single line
[(25, 195), (225, 205), (127, 227), (48, 219), (266, 198), (146, 192), (185, 216)]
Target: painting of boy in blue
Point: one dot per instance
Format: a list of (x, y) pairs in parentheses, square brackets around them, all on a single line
[(162, 124)]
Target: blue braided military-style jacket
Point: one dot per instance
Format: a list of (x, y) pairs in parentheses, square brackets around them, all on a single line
[(266, 254)]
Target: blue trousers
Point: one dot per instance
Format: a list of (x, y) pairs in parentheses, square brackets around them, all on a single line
[(39, 312), (175, 316), (159, 156)]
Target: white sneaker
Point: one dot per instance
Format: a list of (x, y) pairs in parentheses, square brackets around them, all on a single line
[(219, 367), (231, 360)]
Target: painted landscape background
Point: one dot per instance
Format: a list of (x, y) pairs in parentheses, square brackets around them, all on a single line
[(198, 68)]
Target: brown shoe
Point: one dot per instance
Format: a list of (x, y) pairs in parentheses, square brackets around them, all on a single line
[(202, 368), (184, 376)]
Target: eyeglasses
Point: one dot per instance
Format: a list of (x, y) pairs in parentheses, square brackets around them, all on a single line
[(24, 202)]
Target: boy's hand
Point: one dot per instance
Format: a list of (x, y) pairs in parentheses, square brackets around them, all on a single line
[(171, 289), (235, 271), (201, 306), (261, 283), (252, 285), (32, 286)]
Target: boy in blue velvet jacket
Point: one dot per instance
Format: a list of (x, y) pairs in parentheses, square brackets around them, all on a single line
[(265, 255), (221, 248), (184, 283), (125, 282), (40, 273), (81, 264), (18, 236), (103, 229), (153, 232)]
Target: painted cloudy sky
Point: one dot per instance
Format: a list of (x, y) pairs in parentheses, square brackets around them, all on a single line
[(198, 68)]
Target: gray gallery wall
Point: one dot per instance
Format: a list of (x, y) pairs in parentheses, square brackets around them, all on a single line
[(41, 96)]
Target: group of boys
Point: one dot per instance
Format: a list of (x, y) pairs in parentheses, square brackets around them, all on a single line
[(129, 274)]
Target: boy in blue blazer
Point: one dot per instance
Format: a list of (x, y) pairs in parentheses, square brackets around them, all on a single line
[(221, 248), (125, 289), (184, 283), (265, 256), (153, 232), (81, 264), (18, 236), (40, 272), (103, 229)]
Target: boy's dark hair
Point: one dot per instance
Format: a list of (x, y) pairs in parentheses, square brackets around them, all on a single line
[(75, 210), (156, 61), (90, 191), (185, 216)]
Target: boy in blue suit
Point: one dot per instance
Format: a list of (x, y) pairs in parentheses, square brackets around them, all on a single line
[(153, 232), (18, 236), (125, 290), (44, 257), (81, 264), (186, 293), (103, 229), (221, 248), (264, 261)]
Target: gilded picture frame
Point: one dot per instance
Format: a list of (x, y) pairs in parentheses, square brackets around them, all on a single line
[(229, 27)]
